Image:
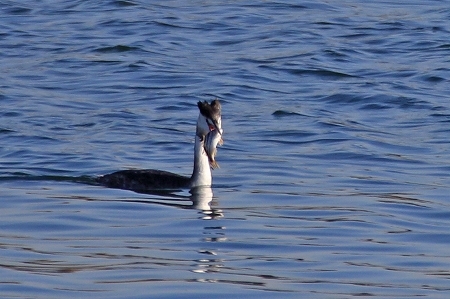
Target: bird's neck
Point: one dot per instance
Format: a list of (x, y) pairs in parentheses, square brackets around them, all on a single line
[(201, 175)]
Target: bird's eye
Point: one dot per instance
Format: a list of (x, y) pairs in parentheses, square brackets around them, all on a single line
[(210, 125)]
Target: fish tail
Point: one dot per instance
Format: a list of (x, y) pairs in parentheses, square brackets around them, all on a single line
[(214, 164)]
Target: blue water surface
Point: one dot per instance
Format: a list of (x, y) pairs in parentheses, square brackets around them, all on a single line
[(334, 178)]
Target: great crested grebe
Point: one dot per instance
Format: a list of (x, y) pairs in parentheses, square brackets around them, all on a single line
[(208, 135)]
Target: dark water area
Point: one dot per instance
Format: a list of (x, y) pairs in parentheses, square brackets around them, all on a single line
[(334, 178)]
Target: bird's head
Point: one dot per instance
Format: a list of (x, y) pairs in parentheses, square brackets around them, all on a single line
[(210, 117)]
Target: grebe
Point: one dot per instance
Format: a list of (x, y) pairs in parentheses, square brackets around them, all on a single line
[(208, 135)]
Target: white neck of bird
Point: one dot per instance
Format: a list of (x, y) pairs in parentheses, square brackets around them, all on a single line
[(201, 175)]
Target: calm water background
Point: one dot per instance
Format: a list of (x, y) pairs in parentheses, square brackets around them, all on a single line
[(334, 179)]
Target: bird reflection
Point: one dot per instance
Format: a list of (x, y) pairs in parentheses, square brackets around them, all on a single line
[(199, 198), (202, 198), (209, 262)]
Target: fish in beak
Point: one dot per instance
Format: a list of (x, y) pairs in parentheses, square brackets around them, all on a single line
[(212, 139), (209, 128)]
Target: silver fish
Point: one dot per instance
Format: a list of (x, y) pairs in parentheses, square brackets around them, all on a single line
[(212, 139)]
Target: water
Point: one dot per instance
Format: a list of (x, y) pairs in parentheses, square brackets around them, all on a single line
[(334, 179)]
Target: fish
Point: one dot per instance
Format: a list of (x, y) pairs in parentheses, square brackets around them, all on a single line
[(212, 139)]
